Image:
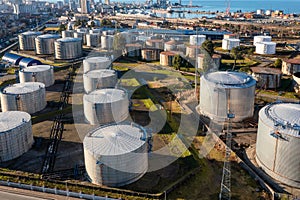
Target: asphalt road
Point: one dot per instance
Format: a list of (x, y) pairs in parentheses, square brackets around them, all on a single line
[(15, 196)]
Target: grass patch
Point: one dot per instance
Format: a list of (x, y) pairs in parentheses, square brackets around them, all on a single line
[(132, 82)]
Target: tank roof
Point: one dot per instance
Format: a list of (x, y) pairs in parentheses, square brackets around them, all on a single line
[(96, 59), (107, 95), (48, 36), (69, 39), (36, 68), (12, 119), (199, 36), (31, 33), (25, 62), (115, 139), (23, 88), (267, 43), (230, 79), (262, 36), (100, 73)]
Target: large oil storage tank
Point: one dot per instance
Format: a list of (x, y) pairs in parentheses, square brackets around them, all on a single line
[(93, 40), (261, 38), (12, 58), (166, 57), (68, 48), (227, 92), (133, 50), (228, 44), (149, 54), (155, 43), (278, 142), (116, 154), (15, 134), (170, 45), (81, 35), (97, 62), (67, 33), (37, 73), (27, 62), (26, 40), (265, 48), (44, 44), (197, 39), (96, 30), (28, 97), (99, 79), (106, 106), (191, 51), (107, 42)]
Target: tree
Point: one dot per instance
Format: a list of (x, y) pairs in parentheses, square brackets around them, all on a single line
[(278, 63), (61, 28), (236, 53), (177, 62), (208, 46)]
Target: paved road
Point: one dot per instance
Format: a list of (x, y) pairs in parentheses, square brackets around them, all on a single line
[(15, 196)]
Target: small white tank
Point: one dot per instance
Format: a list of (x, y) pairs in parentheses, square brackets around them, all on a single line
[(28, 97), (106, 106), (15, 134), (92, 63), (99, 79), (37, 73)]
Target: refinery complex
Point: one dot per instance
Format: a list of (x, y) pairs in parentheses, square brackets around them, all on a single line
[(125, 101)]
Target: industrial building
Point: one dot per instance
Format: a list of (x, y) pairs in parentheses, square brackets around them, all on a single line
[(26, 40), (93, 40), (197, 39), (99, 79), (15, 134), (278, 142), (106, 106), (68, 48), (93, 63), (14, 59), (265, 48), (28, 97), (228, 44), (223, 93), (166, 57), (290, 66), (261, 38), (267, 78), (27, 62), (107, 42), (149, 54), (44, 44), (116, 154), (133, 50), (37, 73)]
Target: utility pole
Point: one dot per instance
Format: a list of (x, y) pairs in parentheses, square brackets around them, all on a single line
[(196, 63), (225, 192)]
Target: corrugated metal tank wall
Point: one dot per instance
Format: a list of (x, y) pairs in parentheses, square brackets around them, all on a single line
[(276, 145), (106, 106), (37, 73), (98, 79), (93, 63), (15, 134), (28, 97)]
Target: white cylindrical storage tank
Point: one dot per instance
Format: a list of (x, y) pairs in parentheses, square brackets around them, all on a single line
[(93, 40), (37, 73), (68, 48), (133, 50), (155, 43), (106, 106), (197, 39), (228, 44), (26, 40), (28, 97), (93, 63), (266, 48), (44, 44), (116, 154), (15, 134), (81, 35), (220, 91), (150, 54), (67, 33), (99, 79), (107, 41), (166, 58), (261, 38), (278, 142), (96, 30)]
